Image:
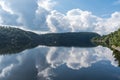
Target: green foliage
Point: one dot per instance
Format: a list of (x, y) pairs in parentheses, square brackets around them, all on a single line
[(117, 56), (114, 38), (110, 39), (14, 40), (15, 35), (76, 39)]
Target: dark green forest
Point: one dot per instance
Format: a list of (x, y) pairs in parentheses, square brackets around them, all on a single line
[(14, 40), (69, 39), (16, 35)]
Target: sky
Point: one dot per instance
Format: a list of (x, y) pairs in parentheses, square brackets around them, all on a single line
[(101, 16), (102, 8)]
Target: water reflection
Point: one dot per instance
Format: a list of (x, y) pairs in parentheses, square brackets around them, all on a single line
[(15, 48), (49, 63), (77, 58), (117, 56)]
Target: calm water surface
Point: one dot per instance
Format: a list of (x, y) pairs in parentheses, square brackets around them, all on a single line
[(60, 63)]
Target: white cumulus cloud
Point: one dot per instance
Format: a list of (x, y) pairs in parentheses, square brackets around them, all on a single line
[(46, 4), (77, 20), (40, 15)]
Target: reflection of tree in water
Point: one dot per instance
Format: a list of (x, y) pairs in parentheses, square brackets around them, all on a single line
[(15, 48), (116, 53), (117, 56)]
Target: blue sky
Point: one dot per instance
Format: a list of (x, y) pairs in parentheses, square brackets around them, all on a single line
[(102, 8), (101, 16)]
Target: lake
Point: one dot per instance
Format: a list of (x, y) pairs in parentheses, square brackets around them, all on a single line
[(60, 63)]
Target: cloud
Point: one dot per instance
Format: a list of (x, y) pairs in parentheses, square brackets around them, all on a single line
[(39, 15), (46, 4), (1, 21), (58, 22), (31, 14), (15, 12), (5, 7), (77, 20)]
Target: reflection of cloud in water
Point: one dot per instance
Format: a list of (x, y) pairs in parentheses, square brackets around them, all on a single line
[(42, 60), (77, 58), (18, 66)]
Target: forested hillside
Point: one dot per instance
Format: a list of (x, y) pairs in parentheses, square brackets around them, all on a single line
[(110, 39), (16, 35), (68, 39), (13, 40)]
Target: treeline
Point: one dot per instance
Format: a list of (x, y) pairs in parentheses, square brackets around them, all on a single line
[(16, 35), (13, 40), (68, 39), (110, 39)]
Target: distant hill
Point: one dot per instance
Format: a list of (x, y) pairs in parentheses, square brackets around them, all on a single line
[(16, 35), (76, 39), (14, 40)]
